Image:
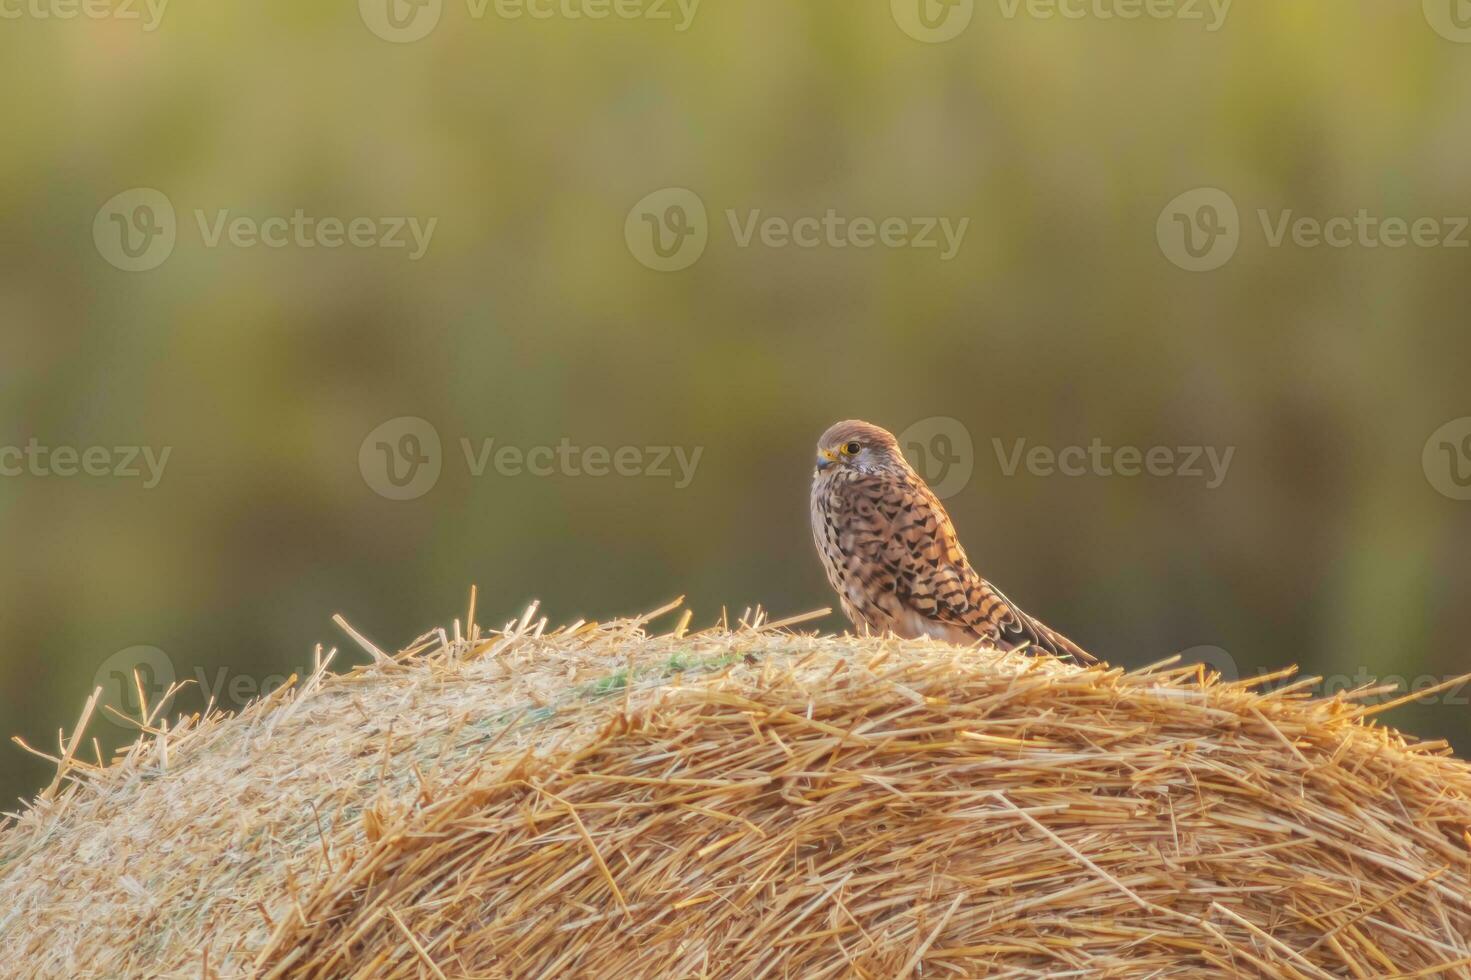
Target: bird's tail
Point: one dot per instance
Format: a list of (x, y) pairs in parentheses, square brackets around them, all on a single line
[(1068, 650), (1042, 637)]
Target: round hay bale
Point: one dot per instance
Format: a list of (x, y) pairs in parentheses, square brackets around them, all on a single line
[(749, 803)]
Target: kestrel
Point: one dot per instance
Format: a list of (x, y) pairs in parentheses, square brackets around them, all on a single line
[(892, 556)]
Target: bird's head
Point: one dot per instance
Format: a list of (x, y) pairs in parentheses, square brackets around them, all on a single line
[(861, 447)]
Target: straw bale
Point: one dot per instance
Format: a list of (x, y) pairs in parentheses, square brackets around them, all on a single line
[(602, 800)]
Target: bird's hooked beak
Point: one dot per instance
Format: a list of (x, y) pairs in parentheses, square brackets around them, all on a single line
[(825, 458)]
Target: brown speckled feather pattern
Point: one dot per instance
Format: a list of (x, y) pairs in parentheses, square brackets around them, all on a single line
[(892, 555)]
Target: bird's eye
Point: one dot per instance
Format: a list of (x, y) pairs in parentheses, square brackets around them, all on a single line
[(851, 449)]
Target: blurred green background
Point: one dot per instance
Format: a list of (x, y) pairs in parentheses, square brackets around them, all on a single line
[(1336, 540)]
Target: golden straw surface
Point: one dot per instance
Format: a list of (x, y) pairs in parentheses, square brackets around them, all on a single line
[(603, 801)]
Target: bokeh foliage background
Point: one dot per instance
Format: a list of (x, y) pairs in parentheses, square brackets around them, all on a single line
[(529, 321)]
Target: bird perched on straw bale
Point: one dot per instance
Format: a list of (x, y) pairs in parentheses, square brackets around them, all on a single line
[(891, 553)]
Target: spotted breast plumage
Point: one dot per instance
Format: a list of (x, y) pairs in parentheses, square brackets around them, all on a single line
[(892, 555)]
